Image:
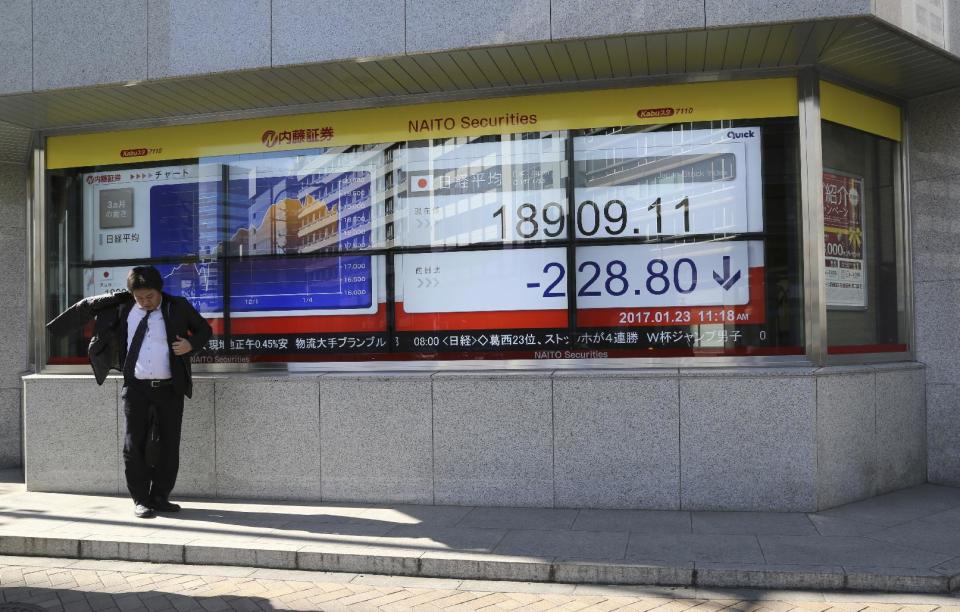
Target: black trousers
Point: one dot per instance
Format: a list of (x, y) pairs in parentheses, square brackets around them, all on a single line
[(143, 482)]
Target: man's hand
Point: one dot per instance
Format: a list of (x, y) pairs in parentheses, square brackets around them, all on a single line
[(181, 346)]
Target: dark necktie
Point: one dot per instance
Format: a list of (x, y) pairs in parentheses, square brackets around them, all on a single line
[(130, 363)]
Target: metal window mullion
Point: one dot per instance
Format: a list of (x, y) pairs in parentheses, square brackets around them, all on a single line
[(811, 206), (37, 266), (904, 234)]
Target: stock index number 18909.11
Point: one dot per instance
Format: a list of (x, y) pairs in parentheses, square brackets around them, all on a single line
[(613, 218)]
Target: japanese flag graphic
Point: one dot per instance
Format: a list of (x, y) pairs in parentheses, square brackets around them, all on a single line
[(421, 183)]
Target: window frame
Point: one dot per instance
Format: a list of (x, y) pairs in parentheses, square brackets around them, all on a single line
[(811, 245)]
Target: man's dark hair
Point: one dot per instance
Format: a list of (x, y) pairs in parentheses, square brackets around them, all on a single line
[(144, 277)]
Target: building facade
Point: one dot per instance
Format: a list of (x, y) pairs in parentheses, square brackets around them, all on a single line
[(642, 254)]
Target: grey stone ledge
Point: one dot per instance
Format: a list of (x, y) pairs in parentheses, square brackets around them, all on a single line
[(56, 376), (748, 372), (618, 373), (495, 375), (33, 546), (269, 558), (676, 574), (758, 371), (903, 580), (147, 552), (819, 577), (391, 375), (846, 370), (898, 366), (474, 567), (358, 563), (257, 377)]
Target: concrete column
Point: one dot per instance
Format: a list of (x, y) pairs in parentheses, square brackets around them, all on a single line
[(935, 213), (13, 307)]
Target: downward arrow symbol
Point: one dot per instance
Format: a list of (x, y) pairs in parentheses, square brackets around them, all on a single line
[(726, 281)]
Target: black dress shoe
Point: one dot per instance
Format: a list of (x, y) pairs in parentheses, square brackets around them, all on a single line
[(143, 511), (163, 505)]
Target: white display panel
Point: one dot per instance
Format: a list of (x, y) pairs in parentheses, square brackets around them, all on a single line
[(668, 183), (653, 276), (482, 281), (469, 193), (620, 276), (126, 211)]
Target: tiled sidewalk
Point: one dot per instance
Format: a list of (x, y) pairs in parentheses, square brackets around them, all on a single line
[(904, 541), (125, 586)]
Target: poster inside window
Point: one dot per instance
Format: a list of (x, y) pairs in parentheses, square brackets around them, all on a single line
[(864, 280)]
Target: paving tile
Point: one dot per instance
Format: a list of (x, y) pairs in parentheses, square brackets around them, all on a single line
[(394, 597), (834, 526), (363, 596), (819, 550), (811, 606), (491, 600), (694, 547), (753, 523), (299, 575), (866, 597), (426, 597), (938, 532), (442, 538), (407, 582), (13, 560), (461, 597), (562, 544), (899, 506), (409, 514), (951, 567), (640, 521), (508, 586), (582, 603), (644, 591), (918, 547), (713, 606), (672, 606), (519, 518), (612, 603)]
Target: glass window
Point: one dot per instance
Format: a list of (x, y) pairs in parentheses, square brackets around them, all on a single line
[(698, 224), (863, 277), (671, 240)]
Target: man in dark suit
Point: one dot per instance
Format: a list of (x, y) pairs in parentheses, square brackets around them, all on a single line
[(148, 335), (161, 332)]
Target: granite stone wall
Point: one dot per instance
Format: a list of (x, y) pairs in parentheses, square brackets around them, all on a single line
[(935, 214), (13, 307), (763, 439)]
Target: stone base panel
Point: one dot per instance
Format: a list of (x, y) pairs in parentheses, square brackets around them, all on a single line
[(772, 439)]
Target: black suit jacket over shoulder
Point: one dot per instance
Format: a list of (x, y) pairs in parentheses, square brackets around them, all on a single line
[(108, 346), (105, 345)]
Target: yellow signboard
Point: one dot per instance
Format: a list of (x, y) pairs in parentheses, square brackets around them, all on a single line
[(545, 112), (856, 110)]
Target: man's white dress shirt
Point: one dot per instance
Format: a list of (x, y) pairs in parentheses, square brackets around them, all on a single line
[(154, 359)]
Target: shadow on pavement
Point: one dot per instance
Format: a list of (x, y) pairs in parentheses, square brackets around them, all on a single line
[(30, 599)]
